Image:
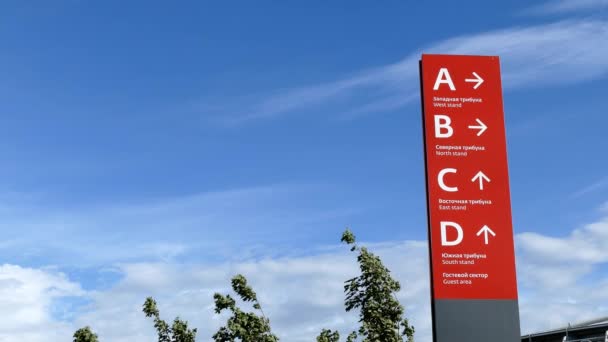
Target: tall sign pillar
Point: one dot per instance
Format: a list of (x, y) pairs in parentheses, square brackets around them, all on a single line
[(473, 283)]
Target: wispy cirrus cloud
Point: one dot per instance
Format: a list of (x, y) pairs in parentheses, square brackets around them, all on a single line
[(205, 224), (567, 6), (531, 56), (600, 184)]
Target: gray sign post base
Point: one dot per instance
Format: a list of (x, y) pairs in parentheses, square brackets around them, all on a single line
[(476, 320)]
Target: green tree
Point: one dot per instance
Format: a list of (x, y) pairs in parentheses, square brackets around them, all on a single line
[(373, 294), (85, 335), (178, 332), (242, 326), (328, 336)]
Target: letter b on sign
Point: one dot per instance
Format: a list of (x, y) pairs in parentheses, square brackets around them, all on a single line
[(443, 129)]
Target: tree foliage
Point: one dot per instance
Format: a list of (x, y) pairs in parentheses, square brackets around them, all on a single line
[(373, 294), (242, 326), (327, 335), (177, 332), (85, 335)]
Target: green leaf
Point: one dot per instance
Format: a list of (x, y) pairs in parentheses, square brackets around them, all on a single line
[(373, 294), (178, 332), (242, 326), (327, 335), (348, 237), (85, 335)]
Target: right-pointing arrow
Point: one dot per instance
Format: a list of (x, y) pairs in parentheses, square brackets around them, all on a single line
[(481, 177), (477, 80), (482, 127), (485, 230)]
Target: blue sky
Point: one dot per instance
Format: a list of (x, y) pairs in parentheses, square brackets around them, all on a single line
[(148, 138)]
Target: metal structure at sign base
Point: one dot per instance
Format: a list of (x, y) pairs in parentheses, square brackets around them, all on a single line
[(590, 331)]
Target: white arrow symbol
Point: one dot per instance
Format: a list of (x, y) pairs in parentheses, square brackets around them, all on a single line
[(477, 80), (482, 127), (481, 177), (486, 230)]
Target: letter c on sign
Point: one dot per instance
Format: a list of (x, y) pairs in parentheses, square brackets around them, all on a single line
[(442, 183)]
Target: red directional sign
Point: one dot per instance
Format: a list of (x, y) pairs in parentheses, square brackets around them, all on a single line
[(470, 229)]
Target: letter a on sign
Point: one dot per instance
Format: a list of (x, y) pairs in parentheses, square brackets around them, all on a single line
[(443, 77)]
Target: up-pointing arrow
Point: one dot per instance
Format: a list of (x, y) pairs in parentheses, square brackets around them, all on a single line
[(481, 177), (482, 127), (477, 80), (485, 230)]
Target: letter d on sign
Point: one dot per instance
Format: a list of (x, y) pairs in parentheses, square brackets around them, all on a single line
[(444, 233), (443, 122)]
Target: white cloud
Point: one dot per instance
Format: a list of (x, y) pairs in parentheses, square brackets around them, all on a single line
[(566, 6), (585, 246), (560, 278), (304, 294), (301, 295), (530, 56), (26, 298), (559, 283)]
